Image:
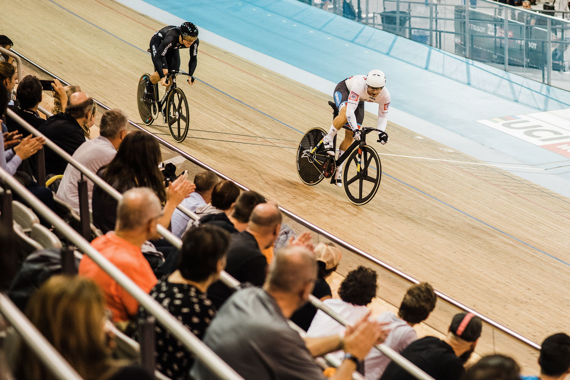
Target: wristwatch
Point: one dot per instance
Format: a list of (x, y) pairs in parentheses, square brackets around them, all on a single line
[(349, 356)]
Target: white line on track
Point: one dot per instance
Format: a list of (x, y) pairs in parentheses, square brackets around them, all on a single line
[(461, 162)]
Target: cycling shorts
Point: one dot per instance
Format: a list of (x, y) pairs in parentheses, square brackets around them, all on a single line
[(340, 96)]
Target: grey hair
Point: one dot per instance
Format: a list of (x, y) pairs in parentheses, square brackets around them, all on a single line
[(291, 269), (138, 206), (112, 123)]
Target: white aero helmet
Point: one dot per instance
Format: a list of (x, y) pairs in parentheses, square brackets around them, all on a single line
[(376, 79)]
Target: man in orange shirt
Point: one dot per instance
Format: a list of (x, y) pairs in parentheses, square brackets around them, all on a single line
[(137, 219)]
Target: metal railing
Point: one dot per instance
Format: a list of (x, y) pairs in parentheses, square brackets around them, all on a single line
[(321, 232), (326, 235), (47, 354), (130, 286), (530, 43), (189, 340)]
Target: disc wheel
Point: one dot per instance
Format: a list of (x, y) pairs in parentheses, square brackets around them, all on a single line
[(362, 175), (310, 166), (145, 110), (177, 115)]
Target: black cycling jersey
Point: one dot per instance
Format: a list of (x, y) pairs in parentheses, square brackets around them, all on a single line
[(164, 46)]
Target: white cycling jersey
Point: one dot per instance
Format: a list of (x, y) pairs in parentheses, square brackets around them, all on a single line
[(357, 89)]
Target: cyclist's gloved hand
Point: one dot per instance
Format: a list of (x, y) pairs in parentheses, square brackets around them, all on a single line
[(382, 137), (356, 134), (190, 81)]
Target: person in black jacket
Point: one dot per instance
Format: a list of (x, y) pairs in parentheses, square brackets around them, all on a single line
[(245, 261), (68, 130), (441, 359), (224, 197)]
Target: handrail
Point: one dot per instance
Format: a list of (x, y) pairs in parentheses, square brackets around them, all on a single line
[(315, 228), (36, 341), (190, 341), (384, 349), (88, 173), (208, 357), (72, 161), (233, 283)]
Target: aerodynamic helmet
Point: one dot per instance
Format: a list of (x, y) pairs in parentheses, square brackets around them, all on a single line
[(188, 30), (376, 79)]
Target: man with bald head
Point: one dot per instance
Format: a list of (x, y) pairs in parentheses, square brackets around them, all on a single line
[(137, 219), (251, 333), (245, 261), (68, 130)]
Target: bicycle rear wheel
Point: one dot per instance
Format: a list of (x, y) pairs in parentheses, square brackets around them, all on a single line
[(145, 110), (309, 165), (362, 175), (177, 114)]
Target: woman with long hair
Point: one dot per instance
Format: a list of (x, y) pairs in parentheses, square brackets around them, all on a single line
[(136, 165), (70, 313)]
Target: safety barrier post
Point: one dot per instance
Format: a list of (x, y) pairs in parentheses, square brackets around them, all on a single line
[(84, 208), (6, 208), (506, 38), (467, 27), (147, 344), (549, 51), (41, 172), (68, 261)]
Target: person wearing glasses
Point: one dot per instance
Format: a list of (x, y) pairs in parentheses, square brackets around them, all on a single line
[(349, 97), (164, 49)]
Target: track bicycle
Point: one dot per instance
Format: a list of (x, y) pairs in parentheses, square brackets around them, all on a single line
[(362, 172), (173, 106)]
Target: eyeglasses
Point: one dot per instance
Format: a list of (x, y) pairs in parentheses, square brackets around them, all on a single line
[(376, 88)]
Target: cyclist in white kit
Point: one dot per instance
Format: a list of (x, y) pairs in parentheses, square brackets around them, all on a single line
[(349, 97)]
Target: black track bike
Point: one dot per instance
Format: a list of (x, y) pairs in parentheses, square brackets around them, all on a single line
[(173, 106), (362, 171)]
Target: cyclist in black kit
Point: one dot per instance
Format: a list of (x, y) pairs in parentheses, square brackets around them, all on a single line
[(164, 46)]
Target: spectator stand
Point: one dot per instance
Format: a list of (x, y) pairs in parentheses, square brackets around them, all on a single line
[(36, 341), (196, 346), (214, 363), (190, 341), (496, 337)]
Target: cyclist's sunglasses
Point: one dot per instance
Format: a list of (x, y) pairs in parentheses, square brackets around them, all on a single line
[(189, 38), (376, 88)]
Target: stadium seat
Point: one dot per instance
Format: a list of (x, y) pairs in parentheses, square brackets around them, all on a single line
[(27, 244), (45, 237), (24, 217)]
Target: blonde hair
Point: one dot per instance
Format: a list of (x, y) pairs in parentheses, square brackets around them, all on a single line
[(69, 312)]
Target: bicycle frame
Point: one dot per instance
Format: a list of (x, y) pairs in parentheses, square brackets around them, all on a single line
[(172, 86), (355, 143)]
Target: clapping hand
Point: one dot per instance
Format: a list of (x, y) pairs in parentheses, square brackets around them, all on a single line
[(11, 139)]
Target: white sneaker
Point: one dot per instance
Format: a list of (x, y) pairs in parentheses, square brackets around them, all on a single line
[(329, 146), (338, 182)]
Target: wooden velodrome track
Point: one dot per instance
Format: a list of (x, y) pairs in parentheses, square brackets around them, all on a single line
[(483, 236)]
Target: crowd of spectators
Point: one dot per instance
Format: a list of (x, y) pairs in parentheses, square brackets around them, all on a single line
[(239, 232)]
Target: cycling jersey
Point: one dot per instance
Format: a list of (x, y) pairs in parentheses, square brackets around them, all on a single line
[(358, 93), (164, 48)]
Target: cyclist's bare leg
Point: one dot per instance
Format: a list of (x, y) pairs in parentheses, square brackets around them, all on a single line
[(338, 123)]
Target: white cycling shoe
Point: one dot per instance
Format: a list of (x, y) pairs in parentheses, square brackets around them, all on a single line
[(329, 146)]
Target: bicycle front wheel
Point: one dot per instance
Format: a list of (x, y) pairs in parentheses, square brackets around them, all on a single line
[(144, 109), (177, 114), (362, 175)]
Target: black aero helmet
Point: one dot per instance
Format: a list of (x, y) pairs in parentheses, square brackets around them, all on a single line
[(188, 30)]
